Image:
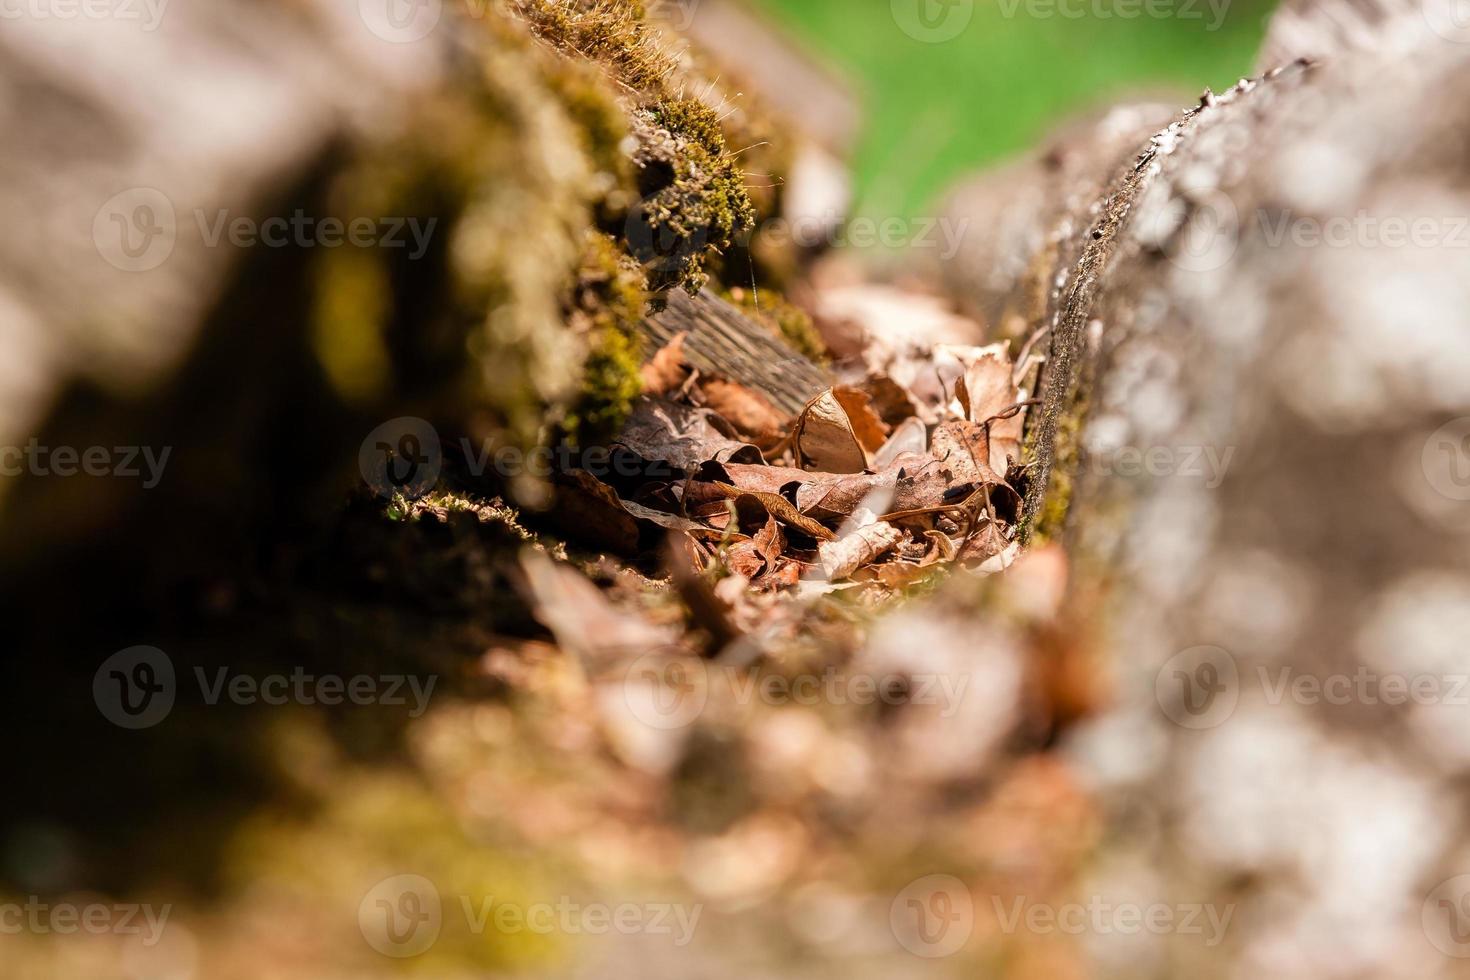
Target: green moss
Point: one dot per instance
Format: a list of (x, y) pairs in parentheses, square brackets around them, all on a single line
[(493, 512), (512, 163), (692, 120), (610, 383), (1066, 450), (608, 300), (694, 201)]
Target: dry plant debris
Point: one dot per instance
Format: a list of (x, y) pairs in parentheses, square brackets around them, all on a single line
[(912, 467)]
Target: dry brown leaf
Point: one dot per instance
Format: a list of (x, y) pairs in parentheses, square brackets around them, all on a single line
[(748, 410), (921, 482), (825, 439), (580, 616), (666, 370), (964, 448), (843, 557), (944, 548), (1000, 561), (585, 507), (778, 506), (761, 553), (870, 430), (766, 479), (917, 481), (894, 574), (770, 542), (835, 497), (682, 436), (744, 558), (990, 392), (987, 541), (891, 400), (786, 575), (663, 519)]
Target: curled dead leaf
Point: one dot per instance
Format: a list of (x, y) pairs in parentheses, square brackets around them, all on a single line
[(824, 437)]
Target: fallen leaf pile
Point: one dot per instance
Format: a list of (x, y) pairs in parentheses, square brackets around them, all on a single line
[(911, 467)]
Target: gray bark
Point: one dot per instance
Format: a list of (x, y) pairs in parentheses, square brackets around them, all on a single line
[(1272, 373)]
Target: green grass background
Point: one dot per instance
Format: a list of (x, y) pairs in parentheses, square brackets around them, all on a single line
[(935, 111)]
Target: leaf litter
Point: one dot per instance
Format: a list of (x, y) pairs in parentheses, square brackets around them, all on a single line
[(912, 466)]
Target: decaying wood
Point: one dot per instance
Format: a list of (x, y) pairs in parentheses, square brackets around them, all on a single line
[(724, 341)]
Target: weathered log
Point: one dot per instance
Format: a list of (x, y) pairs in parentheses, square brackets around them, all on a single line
[(1254, 447)]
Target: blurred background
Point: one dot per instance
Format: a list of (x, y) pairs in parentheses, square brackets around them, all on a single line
[(540, 181), (1003, 73)]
